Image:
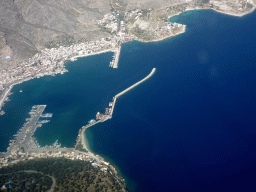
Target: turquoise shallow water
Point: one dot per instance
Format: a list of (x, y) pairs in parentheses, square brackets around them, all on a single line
[(190, 127)]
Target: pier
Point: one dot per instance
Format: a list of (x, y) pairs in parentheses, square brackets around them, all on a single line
[(114, 62), (24, 140), (113, 105)]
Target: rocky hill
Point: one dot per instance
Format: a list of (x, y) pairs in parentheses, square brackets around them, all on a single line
[(28, 26)]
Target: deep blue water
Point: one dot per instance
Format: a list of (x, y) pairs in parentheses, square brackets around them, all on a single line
[(190, 127)]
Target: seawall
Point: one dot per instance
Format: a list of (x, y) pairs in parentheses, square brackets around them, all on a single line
[(131, 87)]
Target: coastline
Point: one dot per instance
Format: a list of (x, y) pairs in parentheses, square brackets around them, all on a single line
[(89, 142), (73, 58), (7, 91), (116, 171), (84, 143), (82, 140), (236, 15), (163, 38), (218, 11)]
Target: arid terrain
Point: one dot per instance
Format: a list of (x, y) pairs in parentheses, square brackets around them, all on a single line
[(27, 27)]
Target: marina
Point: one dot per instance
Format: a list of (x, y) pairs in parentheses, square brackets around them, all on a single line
[(24, 141)]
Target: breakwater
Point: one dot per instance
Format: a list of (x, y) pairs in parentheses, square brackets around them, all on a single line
[(81, 135), (131, 87)]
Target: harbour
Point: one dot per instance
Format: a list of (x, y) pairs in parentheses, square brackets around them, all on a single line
[(198, 107), (24, 141), (100, 118)]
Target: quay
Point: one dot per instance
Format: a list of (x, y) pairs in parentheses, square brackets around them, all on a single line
[(23, 140), (114, 62)]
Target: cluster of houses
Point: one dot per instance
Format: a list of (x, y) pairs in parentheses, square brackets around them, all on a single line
[(110, 21), (18, 157), (51, 61)]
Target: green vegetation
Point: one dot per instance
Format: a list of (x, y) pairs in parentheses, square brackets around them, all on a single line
[(69, 176), (25, 181)]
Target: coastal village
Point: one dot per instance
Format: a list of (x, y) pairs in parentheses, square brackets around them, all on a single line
[(137, 24), (52, 61)]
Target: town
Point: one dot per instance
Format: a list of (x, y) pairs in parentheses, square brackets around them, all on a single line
[(52, 61)]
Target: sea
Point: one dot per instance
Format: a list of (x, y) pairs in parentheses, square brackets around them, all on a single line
[(191, 127)]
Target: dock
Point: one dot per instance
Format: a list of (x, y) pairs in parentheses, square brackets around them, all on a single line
[(114, 62), (23, 139)]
